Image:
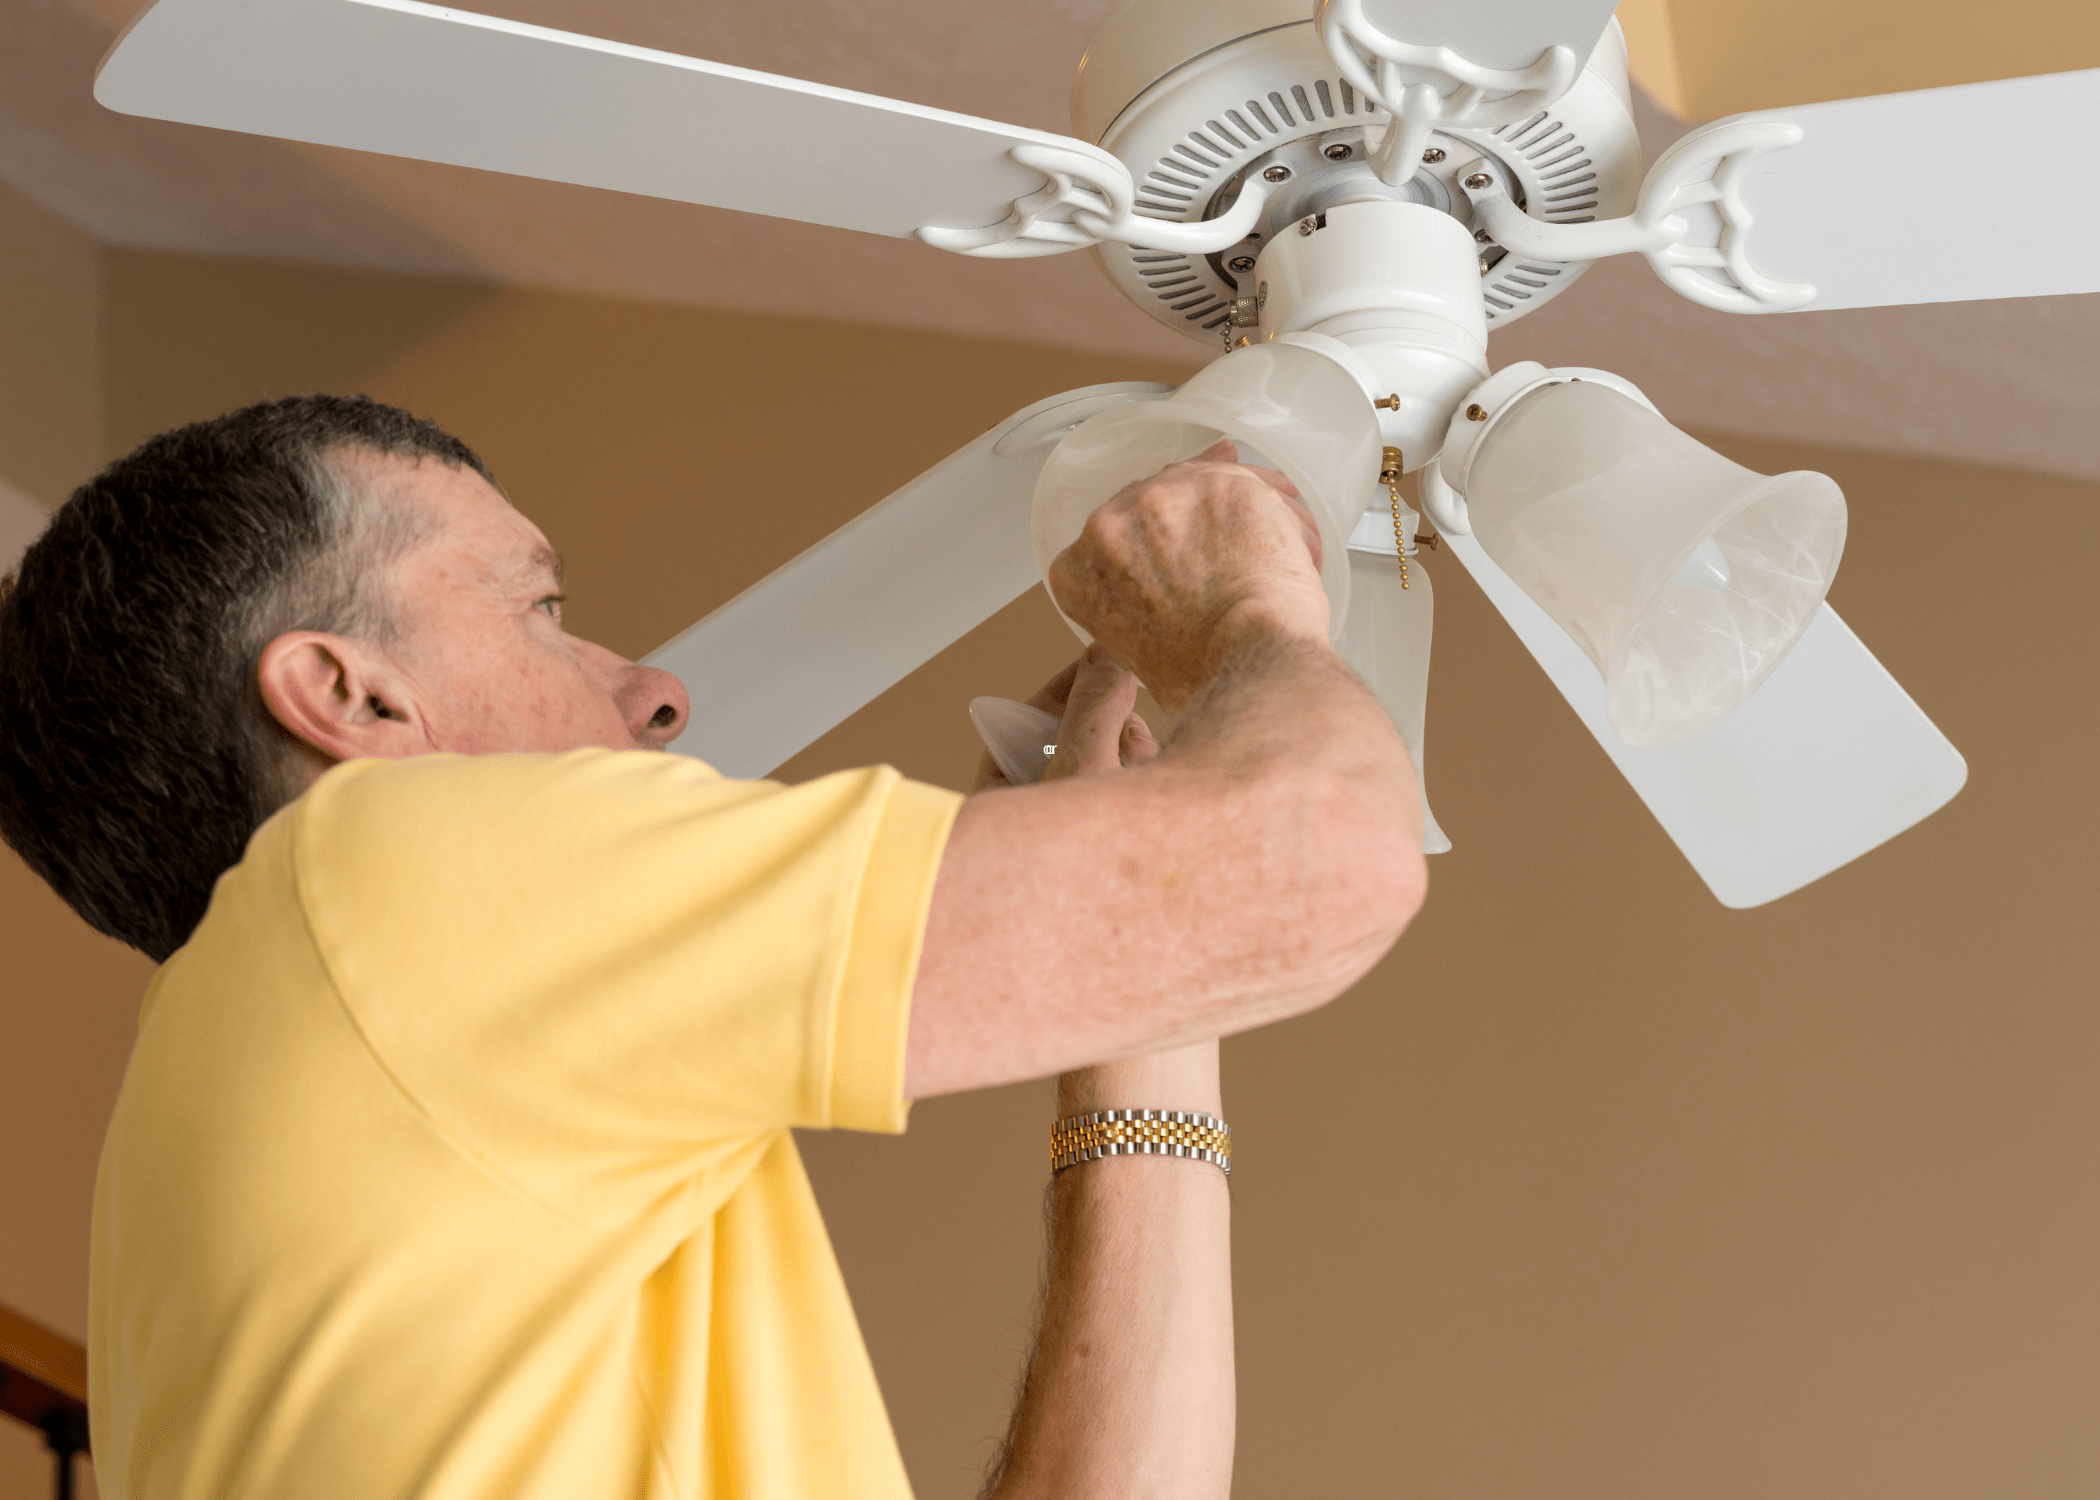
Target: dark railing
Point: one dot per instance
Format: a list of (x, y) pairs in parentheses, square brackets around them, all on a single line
[(43, 1381)]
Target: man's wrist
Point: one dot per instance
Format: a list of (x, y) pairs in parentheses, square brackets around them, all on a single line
[(1245, 637), (1179, 1078), (1255, 640)]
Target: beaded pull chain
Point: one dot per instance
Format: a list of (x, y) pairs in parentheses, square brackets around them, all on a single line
[(1389, 476)]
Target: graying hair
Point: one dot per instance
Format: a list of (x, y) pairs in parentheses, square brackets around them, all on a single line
[(342, 588)]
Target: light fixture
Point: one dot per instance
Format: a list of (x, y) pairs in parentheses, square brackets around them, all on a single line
[(1284, 404), (1686, 578), (1386, 638)]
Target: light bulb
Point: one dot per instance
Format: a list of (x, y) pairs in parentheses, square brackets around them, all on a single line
[(1706, 568)]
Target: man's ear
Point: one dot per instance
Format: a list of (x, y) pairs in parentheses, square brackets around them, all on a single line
[(339, 698)]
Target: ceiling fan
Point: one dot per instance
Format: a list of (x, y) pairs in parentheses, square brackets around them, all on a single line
[(1345, 203)]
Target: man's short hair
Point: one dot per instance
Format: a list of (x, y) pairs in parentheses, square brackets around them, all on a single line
[(136, 754)]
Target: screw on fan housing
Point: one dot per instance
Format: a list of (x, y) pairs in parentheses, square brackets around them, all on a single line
[(1279, 173), (1339, 151), (1433, 155)]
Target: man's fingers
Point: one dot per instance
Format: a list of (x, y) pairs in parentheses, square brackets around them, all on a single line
[(1090, 739), (1226, 451), (988, 775), (1138, 745), (1275, 479)]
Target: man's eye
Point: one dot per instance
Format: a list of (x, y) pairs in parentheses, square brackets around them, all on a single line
[(552, 605)]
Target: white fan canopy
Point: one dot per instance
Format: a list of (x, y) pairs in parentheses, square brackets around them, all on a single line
[(1345, 202)]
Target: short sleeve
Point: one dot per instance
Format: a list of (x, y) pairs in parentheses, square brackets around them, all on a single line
[(598, 972)]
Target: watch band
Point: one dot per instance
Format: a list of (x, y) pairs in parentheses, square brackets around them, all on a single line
[(1141, 1132)]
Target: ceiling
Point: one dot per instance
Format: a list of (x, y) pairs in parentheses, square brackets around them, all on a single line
[(2008, 383)]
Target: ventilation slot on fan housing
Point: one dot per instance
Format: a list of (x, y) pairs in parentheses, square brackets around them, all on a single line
[(1205, 123), (1565, 194), (1185, 178)]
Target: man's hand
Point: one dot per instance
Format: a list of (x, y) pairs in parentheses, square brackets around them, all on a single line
[(1176, 570), (1092, 696)]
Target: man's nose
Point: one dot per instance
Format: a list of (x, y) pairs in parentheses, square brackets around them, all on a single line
[(654, 704)]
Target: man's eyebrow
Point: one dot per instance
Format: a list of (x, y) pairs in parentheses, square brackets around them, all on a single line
[(546, 560)]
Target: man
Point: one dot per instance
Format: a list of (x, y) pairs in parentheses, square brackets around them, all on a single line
[(453, 1157)]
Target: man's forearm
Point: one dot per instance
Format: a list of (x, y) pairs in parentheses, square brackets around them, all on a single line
[(1129, 1394), (1254, 870)]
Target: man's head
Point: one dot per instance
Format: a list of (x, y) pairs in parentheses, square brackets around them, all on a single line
[(219, 617)]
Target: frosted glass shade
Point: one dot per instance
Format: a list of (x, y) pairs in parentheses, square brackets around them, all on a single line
[(1286, 406), (1603, 512), (1387, 642)]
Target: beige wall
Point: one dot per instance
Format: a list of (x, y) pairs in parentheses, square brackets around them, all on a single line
[(63, 1028), (1706, 58), (50, 350), (1592, 1188), (1597, 1188)]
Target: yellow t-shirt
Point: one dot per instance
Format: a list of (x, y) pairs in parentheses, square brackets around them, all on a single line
[(453, 1157)]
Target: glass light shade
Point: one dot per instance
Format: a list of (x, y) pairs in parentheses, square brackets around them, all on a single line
[(1686, 578), (1286, 406), (1387, 641)]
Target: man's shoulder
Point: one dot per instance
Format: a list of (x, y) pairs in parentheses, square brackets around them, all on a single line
[(395, 836), (444, 788), (491, 843)]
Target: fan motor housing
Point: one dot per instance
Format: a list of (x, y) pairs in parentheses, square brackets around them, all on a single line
[(1195, 97)]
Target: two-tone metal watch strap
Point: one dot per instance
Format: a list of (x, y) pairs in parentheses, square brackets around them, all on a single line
[(1141, 1132)]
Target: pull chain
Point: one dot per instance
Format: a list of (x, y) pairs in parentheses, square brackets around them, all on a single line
[(1389, 476)]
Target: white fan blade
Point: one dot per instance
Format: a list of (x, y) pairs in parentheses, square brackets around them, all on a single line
[(1943, 195), (437, 84), (797, 652), (1824, 762), (1509, 34)]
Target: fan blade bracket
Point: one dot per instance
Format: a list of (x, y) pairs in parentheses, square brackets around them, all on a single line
[(1691, 221), (1424, 84), (1968, 192), (1090, 198), (1706, 171)]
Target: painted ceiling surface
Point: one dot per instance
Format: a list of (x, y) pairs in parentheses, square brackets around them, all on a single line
[(2008, 382)]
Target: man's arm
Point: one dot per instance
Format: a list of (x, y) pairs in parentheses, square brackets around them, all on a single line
[(1254, 870), (1129, 1392)]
